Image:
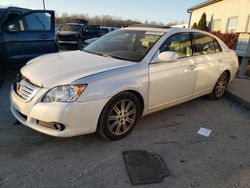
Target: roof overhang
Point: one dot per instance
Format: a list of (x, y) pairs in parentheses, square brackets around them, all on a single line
[(204, 4)]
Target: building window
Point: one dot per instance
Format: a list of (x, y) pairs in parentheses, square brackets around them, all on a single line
[(216, 25), (248, 25), (232, 24)]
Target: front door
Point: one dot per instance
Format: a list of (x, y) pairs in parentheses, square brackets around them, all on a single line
[(172, 82), (29, 35)]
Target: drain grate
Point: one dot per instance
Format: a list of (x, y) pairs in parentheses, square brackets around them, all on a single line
[(144, 167)]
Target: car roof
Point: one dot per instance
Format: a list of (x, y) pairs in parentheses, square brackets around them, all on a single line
[(164, 29), (7, 9), (176, 30), (157, 29), (17, 9)]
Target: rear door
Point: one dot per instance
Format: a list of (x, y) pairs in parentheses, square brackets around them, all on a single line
[(29, 35), (91, 32), (209, 59)]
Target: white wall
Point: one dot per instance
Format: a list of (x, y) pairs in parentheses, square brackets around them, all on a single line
[(224, 10)]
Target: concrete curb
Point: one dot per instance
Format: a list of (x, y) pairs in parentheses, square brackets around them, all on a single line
[(237, 99)]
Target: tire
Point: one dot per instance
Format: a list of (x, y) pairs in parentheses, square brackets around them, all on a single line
[(220, 87), (79, 45), (1, 74), (119, 116)]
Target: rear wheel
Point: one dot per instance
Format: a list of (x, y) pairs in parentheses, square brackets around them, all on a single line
[(119, 116), (220, 87)]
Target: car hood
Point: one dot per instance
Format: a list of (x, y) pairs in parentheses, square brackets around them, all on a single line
[(65, 67)]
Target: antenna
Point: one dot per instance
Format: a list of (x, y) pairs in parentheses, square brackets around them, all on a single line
[(44, 4)]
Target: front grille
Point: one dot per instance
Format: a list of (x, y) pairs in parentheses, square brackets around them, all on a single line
[(25, 89), (66, 38)]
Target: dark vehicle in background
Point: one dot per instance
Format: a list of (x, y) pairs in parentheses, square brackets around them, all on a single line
[(73, 35), (103, 31), (70, 35), (25, 34)]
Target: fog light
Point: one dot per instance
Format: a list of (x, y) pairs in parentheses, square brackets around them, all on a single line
[(51, 125), (59, 127)]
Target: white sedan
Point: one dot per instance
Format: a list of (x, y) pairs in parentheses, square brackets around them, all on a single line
[(122, 76)]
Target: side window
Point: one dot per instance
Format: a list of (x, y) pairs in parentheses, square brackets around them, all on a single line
[(205, 44), (38, 21), (13, 22), (179, 43)]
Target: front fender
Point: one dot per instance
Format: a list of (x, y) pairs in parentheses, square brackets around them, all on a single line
[(109, 83)]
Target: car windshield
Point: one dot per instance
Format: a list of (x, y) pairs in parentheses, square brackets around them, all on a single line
[(70, 27), (125, 44)]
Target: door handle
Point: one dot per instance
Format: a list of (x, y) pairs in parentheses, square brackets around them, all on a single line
[(191, 67), (220, 61), (44, 37)]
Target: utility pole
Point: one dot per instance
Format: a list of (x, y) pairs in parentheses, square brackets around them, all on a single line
[(44, 4), (243, 49)]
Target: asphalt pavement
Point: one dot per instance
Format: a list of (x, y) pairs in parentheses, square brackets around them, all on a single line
[(31, 159)]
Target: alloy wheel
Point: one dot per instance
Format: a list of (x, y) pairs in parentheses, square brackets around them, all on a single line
[(221, 85), (122, 117)]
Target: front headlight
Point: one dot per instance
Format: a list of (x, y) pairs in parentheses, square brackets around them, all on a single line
[(66, 93)]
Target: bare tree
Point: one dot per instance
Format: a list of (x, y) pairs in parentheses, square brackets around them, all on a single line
[(104, 20)]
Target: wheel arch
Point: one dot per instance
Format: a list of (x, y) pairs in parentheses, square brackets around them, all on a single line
[(228, 73), (136, 93), (131, 91), (140, 99)]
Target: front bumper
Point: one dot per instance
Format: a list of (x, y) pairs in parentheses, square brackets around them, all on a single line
[(78, 117), (68, 44)]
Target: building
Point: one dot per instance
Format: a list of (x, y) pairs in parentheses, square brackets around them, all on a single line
[(223, 15), (180, 25)]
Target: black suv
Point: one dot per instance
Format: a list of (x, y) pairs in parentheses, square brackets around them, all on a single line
[(73, 35), (25, 34)]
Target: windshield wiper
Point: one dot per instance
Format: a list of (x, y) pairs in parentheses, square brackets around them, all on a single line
[(105, 55), (95, 53), (115, 57)]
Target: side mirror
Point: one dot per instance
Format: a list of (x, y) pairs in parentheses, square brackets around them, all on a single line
[(166, 57), (10, 29)]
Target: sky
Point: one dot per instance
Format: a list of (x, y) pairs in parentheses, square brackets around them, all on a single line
[(164, 11)]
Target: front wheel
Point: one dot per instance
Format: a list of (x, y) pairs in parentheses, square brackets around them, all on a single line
[(119, 116), (80, 44), (220, 87)]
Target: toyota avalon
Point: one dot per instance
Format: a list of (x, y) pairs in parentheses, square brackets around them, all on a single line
[(119, 78)]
